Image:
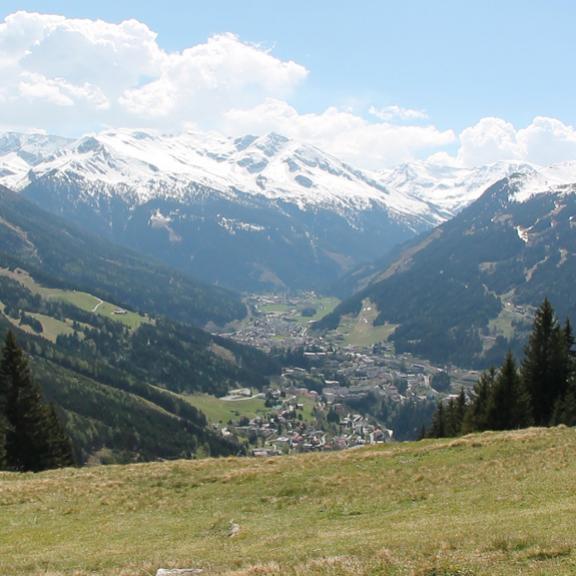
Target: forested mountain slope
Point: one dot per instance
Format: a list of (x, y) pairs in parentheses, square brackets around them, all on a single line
[(465, 292)]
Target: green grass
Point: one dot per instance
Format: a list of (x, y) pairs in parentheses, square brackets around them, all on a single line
[(360, 330), (221, 411), (218, 410), (81, 300), (323, 305), (484, 505), (52, 328), (275, 308)]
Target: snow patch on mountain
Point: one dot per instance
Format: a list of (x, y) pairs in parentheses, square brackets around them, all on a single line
[(20, 152), (556, 179), (448, 188), (142, 165), (161, 221)]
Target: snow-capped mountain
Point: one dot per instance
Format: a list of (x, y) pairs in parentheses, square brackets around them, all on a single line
[(20, 152), (141, 166), (448, 188), (248, 212)]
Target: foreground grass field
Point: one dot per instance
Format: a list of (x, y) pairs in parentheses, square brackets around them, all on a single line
[(489, 504)]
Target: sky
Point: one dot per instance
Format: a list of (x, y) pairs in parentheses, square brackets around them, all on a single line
[(375, 82)]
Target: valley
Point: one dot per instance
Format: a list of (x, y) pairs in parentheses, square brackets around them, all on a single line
[(287, 288), (361, 390)]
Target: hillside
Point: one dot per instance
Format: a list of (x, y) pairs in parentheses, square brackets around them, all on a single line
[(464, 293), (99, 325), (117, 377), (60, 254), (495, 504)]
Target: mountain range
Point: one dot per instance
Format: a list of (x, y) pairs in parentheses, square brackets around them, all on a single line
[(447, 254), (251, 213)]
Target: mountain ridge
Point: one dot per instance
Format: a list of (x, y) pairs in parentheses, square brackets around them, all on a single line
[(464, 292)]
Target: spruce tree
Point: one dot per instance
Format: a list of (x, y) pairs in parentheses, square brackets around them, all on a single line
[(509, 404), (565, 410), (545, 368), (476, 417), (3, 424), (3, 439), (438, 426), (35, 439), (57, 450)]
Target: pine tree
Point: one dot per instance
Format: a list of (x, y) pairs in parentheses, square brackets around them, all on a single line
[(57, 451), (476, 417), (546, 365), (461, 405), (3, 424), (454, 415), (3, 439), (508, 405), (565, 410), (438, 426), (35, 439)]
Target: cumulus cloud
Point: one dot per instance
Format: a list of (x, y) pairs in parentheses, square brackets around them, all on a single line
[(543, 141), (210, 78), (344, 134), (547, 140), (70, 76), (61, 72), (395, 112)]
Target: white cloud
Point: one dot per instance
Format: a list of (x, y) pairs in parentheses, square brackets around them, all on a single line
[(490, 140), (342, 133), (543, 141), (208, 79), (73, 75), (395, 112), (64, 72), (547, 140)]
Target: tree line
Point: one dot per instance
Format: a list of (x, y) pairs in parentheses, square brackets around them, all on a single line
[(31, 435), (541, 391)]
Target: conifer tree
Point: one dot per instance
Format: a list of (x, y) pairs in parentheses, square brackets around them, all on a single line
[(545, 368), (565, 410), (3, 433), (35, 439), (509, 404), (476, 417), (3, 424), (438, 426), (57, 451), (461, 405)]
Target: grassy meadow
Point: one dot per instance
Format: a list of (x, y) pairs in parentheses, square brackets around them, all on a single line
[(484, 505), (83, 300), (219, 411)]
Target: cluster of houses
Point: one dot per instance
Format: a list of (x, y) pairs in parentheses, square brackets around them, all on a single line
[(335, 376), (285, 429)]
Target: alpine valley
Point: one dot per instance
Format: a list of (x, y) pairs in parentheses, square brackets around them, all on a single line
[(103, 236), (252, 213)]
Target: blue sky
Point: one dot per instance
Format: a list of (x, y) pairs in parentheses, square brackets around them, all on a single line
[(459, 61)]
